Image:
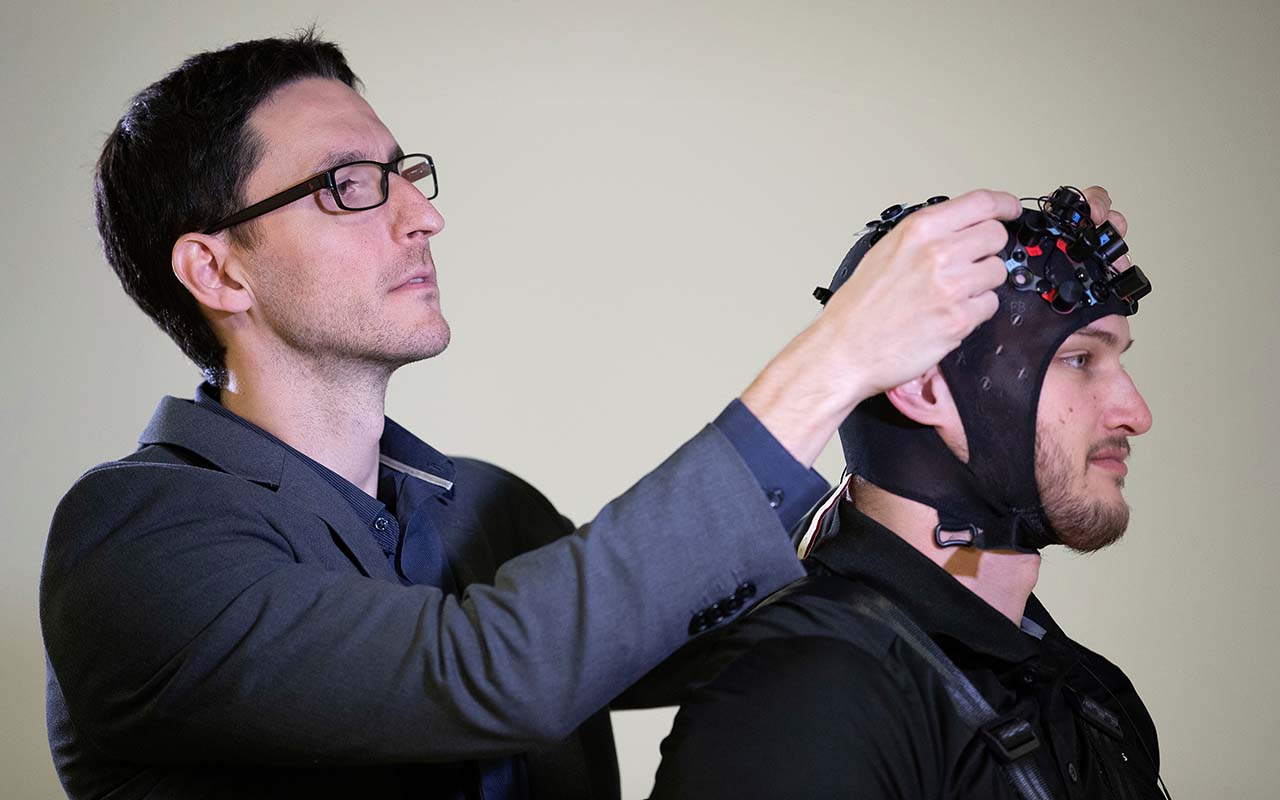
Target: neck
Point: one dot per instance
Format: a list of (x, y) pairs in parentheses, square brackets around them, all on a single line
[(1003, 578), (333, 413)]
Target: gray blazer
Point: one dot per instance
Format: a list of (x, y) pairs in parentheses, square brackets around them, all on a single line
[(220, 623)]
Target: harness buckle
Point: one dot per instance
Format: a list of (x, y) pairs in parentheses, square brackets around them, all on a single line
[(1010, 738)]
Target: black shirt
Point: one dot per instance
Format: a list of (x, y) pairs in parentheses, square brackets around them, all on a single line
[(812, 700)]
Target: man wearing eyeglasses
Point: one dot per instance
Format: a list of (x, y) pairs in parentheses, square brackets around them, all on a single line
[(282, 593)]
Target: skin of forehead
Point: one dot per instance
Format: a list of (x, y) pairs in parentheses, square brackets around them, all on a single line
[(303, 122)]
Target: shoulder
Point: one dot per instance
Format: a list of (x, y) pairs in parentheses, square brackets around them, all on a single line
[(119, 487), (806, 671), (127, 514), (490, 476), (494, 489), (152, 478), (144, 540), (827, 673), (819, 605), (1103, 681), (797, 716), (1116, 688)]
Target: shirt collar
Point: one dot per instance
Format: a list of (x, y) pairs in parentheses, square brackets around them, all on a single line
[(866, 551), (398, 449), (404, 452)]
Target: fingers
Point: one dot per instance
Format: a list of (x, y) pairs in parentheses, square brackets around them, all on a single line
[(1118, 222), (979, 241), (1100, 211), (983, 276), (981, 308), (975, 266), (1121, 225), (1099, 204), (972, 208)]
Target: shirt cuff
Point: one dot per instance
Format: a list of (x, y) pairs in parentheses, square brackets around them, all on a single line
[(792, 490)]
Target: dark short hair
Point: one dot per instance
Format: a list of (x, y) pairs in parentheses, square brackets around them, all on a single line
[(177, 162)]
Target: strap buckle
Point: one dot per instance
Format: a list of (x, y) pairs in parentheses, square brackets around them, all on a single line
[(1010, 738), (959, 539)]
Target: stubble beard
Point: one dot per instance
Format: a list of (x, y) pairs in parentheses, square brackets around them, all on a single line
[(349, 338), (1083, 523)]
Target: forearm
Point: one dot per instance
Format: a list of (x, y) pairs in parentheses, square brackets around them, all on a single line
[(801, 400)]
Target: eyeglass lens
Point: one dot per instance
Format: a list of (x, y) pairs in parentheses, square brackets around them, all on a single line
[(363, 185)]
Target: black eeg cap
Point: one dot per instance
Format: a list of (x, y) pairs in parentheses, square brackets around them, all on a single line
[(1060, 280)]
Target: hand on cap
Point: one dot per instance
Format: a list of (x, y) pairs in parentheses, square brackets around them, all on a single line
[(1100, 210), (923, 288), (916, 294)]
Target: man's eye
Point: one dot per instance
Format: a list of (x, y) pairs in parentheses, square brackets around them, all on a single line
[(348, 187), (1077, 361)]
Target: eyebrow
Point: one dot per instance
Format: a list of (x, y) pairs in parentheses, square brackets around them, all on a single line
[(340, 157), (1106, 337), (334, 159)]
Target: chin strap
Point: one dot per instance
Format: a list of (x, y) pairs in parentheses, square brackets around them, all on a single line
[(1023, 530)]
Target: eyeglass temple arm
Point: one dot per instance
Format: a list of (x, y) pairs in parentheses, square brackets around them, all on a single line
[(320, 181)]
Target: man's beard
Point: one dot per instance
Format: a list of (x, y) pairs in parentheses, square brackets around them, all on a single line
[(345, 336), (1081, 522)]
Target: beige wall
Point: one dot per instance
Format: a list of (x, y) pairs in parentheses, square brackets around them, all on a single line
[(639, 202)]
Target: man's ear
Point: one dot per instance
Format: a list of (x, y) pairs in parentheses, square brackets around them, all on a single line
[(204, 264), (922, 399), (927, 400)]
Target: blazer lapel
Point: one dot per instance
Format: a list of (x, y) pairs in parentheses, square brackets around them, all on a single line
[(301, 485), (237, 450)]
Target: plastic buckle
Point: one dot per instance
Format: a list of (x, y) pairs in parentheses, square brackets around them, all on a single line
[(1010, 738), (955, 541), (1097, 715)]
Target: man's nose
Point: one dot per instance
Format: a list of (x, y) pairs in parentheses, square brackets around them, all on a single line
[(415, 215), (1129, 410)]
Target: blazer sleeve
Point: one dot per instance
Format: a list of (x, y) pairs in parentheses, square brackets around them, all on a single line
[(182, 624)]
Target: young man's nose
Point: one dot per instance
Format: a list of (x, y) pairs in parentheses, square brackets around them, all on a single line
[(1129, 411)]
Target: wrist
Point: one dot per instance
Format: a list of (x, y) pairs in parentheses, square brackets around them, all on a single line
[(803, 395)]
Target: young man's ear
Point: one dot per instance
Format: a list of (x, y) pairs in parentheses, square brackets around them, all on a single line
[(922, 399), (203, 264), (927, 400)]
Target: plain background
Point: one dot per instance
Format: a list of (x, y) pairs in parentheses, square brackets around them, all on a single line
[(640, 199)]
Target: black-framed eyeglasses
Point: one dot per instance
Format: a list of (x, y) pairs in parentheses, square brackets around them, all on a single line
[(354, 186)]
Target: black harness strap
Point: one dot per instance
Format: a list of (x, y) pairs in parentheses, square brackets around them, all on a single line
[(1010, 738)]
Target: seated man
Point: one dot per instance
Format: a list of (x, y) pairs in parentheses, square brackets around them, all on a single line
[(913, 661)]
